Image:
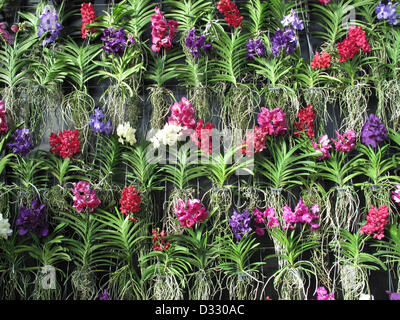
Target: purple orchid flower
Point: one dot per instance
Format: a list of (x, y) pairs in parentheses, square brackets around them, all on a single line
[(292, 20), (23, 142), (387, 12), (48, 23), (283, 39), (373, 132), (255, 48), (195, 43), (32, 220), (240, 224)]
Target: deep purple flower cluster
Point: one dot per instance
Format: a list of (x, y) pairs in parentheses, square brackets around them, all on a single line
[(99, 126), (373, 132), (115, 41), (48, 22), (292, 20), (195, 43), (103, 295), (240, 224), (393, 295), (23, 142), (283, 39), (387, 12), (255, 48), (32, 220)]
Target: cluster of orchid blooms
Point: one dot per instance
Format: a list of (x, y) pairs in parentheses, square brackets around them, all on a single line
[(267, 219), (182, 122), (163, 33), (270, 122), (88, 16)]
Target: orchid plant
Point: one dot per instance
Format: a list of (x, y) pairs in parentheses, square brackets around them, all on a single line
[(349, 74), (390, 250), (354, 263), (194, 73), (168, 269), (13, 75), (181, 174), (235, 262), (145, 175), (86, 249), (220, 169), (202, 257), (377, 167), (161, 70), (106, 171), (30, 177), (79, 104), (49, 255), (387, 86), (315, 84), (125, 239), (122, 58), (380, 22), (290, 279), (341, 169), (275, 65), (44, 92), (283, 170), (14, 273), (64, 172), (229, 71)]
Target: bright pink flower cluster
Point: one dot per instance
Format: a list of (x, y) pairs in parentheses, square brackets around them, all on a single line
[(159, 35), (66, 144), (306, 121), (322, 146), (230, 12), (272, 122), (321, 61), (267, 217), (159, 242), (322, 294), (84, 197), (130, 202), (325, 1), (376, 222), (345, 142), (88, 15), (202, 136), (301, 214), (3, 118), (272, 220), (255, 141), (259, 216), (396, 194), (190, 212), (182, 114), (355, 41)]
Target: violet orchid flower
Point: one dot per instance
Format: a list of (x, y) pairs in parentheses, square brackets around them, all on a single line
[(48, 23)]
